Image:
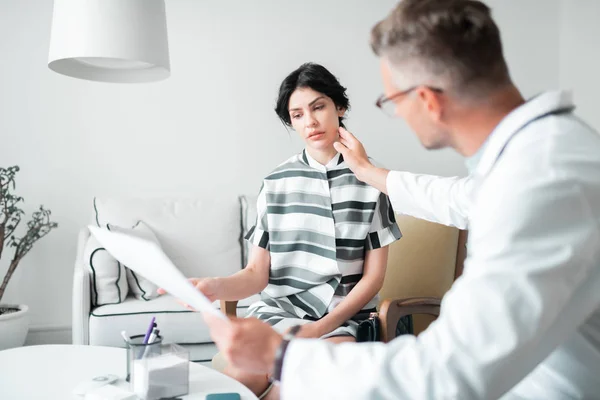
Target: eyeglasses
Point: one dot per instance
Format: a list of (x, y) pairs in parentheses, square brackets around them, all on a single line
[(389, 107)]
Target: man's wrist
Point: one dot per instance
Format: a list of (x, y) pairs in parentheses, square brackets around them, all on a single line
[(373, 176), (277, 365), (363, 170), (274, 344)]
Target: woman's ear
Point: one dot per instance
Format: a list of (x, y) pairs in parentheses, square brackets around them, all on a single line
[(341, 111)]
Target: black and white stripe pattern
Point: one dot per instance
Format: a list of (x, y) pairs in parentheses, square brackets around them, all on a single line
[(317, 222)]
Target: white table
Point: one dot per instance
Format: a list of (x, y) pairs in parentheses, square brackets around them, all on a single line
[(51, 372)]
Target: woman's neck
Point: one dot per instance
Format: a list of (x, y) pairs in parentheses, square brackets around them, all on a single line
[(322, 156)]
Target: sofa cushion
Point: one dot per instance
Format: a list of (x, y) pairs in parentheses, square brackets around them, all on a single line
[(200, 236), (140, 287), (176, 323), (108, 281)]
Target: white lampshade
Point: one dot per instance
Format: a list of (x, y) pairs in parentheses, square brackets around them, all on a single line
[(110, 40)]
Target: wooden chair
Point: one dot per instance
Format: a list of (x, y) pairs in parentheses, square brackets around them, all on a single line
[(422, 266)]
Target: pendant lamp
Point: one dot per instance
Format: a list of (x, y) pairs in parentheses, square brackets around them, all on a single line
[(122, 41)]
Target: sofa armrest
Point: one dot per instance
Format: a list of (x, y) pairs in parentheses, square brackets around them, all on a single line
[(229, 308), (391, 311), (81, 302)]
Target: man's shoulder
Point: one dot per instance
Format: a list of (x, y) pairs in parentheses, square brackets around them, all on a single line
[(559, 147), (551, 167)]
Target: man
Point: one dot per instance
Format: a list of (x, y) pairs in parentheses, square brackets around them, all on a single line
[(524, 319)]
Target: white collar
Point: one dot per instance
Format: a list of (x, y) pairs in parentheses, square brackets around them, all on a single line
[(537, 107), (317, 165)]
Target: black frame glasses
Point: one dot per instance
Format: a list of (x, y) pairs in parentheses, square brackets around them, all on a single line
[(390, 110)]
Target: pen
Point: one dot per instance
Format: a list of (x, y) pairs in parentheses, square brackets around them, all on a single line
[(125, 338), (147, 336), (156, 336), (153, 337), (149, 331)]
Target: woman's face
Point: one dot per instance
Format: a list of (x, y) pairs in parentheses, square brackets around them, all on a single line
[(315, 117)]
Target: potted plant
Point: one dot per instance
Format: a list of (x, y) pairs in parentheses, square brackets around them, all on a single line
[(13, 318)]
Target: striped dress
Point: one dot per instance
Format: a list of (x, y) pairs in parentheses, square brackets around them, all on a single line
[(317, 223)]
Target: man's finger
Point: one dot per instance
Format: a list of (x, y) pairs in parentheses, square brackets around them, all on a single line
[(347, 139), (344, 134), (340, 148), (220, 329), (214, 321), (346, 143)]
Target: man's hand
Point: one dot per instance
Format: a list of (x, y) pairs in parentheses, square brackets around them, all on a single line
[(356, 157), (247, 344), (208, 286), (353, 151)]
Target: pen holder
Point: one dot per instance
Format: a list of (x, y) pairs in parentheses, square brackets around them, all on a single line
[(161, 373), (136, 349)]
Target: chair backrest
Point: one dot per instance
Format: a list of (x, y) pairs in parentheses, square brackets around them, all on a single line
[(424, 263)]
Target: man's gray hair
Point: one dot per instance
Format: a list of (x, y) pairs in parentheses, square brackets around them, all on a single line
[(451, 44)]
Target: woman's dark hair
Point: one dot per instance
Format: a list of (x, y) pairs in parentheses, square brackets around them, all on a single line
[(316, 77)]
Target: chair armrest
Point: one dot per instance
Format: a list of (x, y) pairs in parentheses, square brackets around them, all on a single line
[(391, 311), (81, 302), (229, 308)]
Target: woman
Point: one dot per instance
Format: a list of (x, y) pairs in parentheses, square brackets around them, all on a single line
[(319, 254)]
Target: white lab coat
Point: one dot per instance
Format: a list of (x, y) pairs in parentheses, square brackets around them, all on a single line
[(523, 322)]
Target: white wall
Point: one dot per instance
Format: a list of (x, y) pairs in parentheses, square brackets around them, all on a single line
[(580, 56), (209, 128)]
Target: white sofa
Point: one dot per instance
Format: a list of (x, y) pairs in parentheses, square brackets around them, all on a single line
[(202, 236)]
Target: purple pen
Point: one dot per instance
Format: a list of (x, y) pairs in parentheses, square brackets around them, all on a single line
[(149, 332)]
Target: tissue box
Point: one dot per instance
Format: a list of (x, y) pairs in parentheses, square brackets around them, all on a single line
[(162, 374)]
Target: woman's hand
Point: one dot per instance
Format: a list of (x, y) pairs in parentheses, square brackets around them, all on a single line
[(209, 287)]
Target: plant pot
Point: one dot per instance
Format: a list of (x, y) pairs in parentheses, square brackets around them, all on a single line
[(13, 325)]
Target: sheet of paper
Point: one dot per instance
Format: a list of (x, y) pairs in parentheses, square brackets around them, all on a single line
[(149, 260)]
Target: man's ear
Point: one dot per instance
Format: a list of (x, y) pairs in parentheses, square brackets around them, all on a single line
[(431, 101)]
